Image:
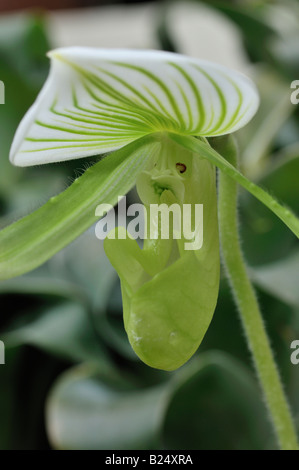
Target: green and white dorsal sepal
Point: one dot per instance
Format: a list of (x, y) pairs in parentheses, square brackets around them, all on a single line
[(98, 100)]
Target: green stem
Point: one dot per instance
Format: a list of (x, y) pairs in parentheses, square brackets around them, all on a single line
[(248, 307)]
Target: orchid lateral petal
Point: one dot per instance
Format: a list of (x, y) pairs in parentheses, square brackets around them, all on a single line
[(96, 101), (32, 240)]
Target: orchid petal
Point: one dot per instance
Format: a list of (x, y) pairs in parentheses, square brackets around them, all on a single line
[(32, 240), (96, 101)]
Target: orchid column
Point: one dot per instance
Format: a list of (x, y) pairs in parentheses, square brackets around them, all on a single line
[(152, 112)]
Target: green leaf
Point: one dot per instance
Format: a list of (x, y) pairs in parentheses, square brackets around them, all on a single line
[(80, 272), (32, 240), (205, 151), (87, 411), (260, 136), (64, 330), (96, 101), (43, 285), (23, 45), (280, 278), (216, 407), (253, 22), (23, 69), (8, 400)]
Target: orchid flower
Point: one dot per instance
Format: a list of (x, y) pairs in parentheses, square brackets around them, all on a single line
[(99, 101), (152, 113)]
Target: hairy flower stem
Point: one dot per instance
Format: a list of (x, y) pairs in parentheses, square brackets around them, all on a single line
[(246, 301)]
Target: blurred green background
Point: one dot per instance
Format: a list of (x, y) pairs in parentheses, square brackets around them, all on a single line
[(71, 380)]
